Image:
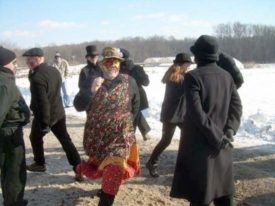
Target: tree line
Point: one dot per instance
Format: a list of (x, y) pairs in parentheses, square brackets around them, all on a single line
[(246, 42)]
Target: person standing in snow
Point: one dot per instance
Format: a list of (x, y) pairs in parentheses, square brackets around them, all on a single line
[(142, 79), (109, 137), (48, 111), (173, 78), (63, 67), (14, 114), (204, 164)]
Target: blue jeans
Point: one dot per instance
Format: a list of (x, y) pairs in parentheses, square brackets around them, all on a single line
[(66, 98)]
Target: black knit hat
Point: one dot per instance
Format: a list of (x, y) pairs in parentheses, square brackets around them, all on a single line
[(91, 50), (182, 58), (126, 53), (6, 56), (34, 52), (206, 48)]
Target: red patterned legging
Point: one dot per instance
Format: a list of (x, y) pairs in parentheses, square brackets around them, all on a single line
[(112, 178)]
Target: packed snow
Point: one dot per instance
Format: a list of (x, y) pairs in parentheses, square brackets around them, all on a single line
[(257, 94)]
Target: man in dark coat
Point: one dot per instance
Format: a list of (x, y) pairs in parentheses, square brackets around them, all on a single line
[(86, 77), (48, 110), (213, 111), (14, 114), (142, 79), (228, 64)]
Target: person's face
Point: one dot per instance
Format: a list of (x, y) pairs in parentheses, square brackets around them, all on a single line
[(92, 59), (12, 66), (33, 62), (57, 59), (111, 64)]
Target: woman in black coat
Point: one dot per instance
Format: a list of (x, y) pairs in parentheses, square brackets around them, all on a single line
[(213, 111), (173, 79)]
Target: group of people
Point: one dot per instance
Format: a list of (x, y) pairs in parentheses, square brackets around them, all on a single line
[(111, 93)]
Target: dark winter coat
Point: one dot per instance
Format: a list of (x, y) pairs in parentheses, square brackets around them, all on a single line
[(212, 106), (88, 74), (46, 101), (142, 79), (14, 111), (86, 77), (173, 92), (228, 64)]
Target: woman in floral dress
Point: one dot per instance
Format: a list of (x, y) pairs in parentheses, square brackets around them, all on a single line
[(109, 138)]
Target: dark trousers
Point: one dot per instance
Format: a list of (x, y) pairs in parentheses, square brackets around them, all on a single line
[(142, 124), (168, 130), (60, 131), (13, 165), (221, 201)]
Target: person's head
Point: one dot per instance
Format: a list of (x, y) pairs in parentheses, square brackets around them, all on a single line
[(8, 59), (205, 49), (176, 72), (57, 57), (125, 53), (92, 54), (112, 58), (34, 57)]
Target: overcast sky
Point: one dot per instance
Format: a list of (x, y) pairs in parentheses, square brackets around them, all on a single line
[(29, 23)]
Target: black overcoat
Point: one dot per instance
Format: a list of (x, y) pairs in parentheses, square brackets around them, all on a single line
[(46, 101), (142, 79), (212, 105)]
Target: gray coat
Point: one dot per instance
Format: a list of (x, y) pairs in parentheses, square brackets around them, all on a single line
[(203, 170)]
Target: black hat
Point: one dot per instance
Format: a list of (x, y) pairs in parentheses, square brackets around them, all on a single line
[(126, 53), (182, 58), (206, 48), (34, 52), (6, 56), (91, 50)]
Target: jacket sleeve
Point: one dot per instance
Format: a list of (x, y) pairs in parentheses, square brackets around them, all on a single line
[(235, 112), (39, 92), (135, 98), (227, 63), (196, 114), (5, 103), (140, 76)]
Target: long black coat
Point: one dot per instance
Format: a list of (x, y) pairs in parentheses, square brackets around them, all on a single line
[(173, 92), (46, 101), (212, 105), (142, 79)]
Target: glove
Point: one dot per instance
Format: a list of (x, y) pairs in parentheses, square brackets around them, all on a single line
[(226, 142), (229, 134), (46, 129)]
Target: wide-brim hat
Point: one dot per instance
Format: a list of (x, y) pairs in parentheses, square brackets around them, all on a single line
[(34, 52), (182, 58), (112, 53), (206, 48), (91, 50)]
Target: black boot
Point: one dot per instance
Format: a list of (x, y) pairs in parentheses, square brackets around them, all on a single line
[(106, 199), (152, 169)]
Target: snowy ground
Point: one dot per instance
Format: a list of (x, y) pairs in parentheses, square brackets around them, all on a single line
[(258, 97)]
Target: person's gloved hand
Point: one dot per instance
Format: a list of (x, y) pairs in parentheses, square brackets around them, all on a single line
[(46, 129), (226, 142), (229, 134)]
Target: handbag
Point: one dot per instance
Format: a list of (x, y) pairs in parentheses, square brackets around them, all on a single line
[(179, 113)]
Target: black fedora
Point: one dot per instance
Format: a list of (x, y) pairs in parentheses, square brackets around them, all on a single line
[(206, 48), (182, 58), (91, 50)]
